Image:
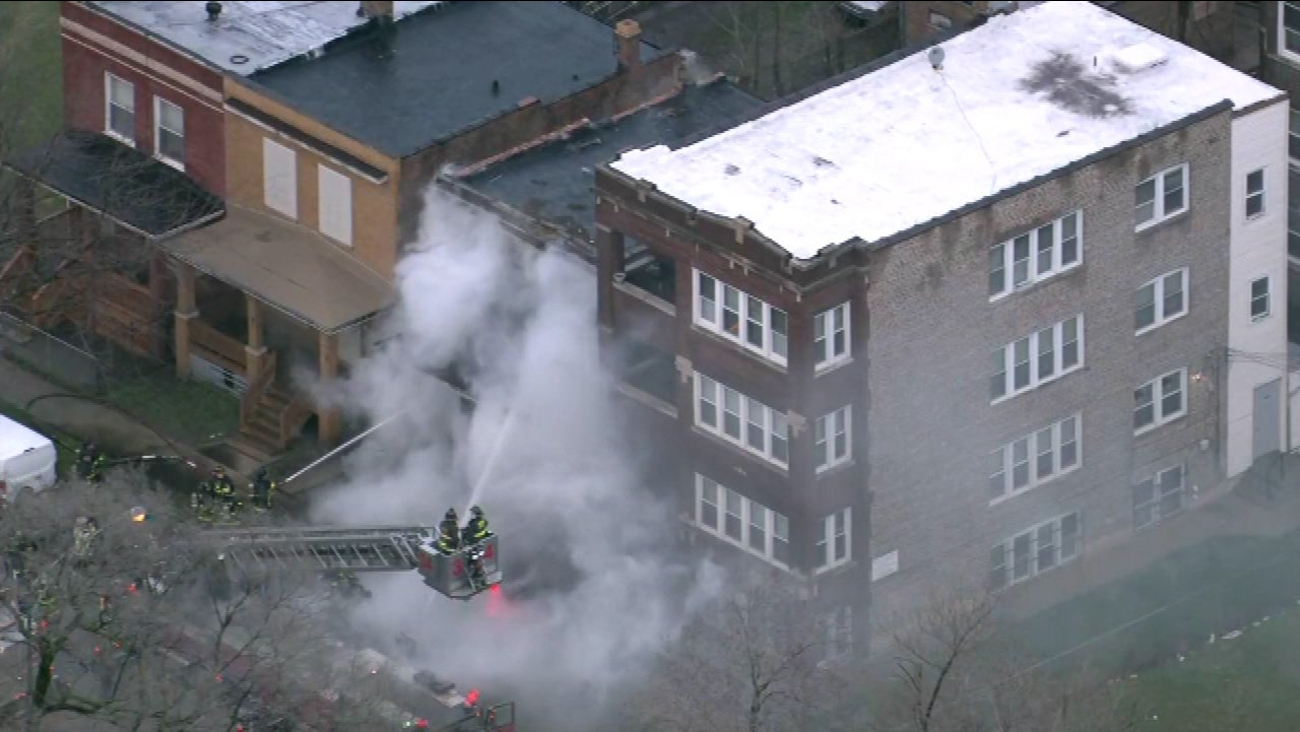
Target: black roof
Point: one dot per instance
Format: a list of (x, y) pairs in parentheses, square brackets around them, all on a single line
[(409, 85), (117, 180), (556, 182)]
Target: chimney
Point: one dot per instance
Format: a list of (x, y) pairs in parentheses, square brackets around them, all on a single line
[(628, 36), (380, 10)]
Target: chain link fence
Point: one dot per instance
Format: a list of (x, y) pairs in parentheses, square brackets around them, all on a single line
[(47, 353)]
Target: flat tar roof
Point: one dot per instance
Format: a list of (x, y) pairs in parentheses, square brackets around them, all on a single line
[(1022, 96), (433, 76), (248, 36)]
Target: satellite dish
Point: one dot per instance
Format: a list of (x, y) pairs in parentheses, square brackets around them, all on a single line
[(936, 57)]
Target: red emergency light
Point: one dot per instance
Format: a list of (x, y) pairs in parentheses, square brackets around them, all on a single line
[(472, 697)]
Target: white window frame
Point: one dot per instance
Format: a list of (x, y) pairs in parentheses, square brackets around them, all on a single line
[(334, 204), (827, 431), (1036, 350), (109, 78), (773, 424), (1034, 565), (775, 526), (708, 314), (1047, 441), (1282, 50), (1259, 194), (1159, 214), (1155, 503), (288, 204), (1157, 286), (1267, 297), (1002, 257), (829, 540), (824, 337), (1157, 402), (159, 127)]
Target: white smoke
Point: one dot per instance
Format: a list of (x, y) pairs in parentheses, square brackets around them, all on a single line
[(544, 447)]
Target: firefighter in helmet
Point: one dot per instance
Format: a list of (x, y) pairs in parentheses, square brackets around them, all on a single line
[(223, 492), (449, 533), (83, 537), (477, 528), (90, 462), (261, 489)]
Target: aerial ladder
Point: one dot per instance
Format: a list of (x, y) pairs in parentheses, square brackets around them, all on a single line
[(460, 575)]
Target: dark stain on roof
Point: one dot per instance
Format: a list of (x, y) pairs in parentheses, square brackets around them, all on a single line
[(1068, 84)]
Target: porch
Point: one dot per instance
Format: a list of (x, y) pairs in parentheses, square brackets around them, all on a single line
[(260, 299)]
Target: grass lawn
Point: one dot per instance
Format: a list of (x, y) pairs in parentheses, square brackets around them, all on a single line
[(191, 411), (1248, 683), (31, 88)]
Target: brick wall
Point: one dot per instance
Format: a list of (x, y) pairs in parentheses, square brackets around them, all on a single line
[(93, 44), (933, 332)]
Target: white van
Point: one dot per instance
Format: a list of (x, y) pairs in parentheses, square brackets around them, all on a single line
[(27, 459)]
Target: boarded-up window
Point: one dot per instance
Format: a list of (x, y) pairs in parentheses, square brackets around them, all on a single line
[(335, 205), (280, 178)]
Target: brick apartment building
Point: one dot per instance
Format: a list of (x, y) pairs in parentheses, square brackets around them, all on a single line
[(312, 132), (930, 325)]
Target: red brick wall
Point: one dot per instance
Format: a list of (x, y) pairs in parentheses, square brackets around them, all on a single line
[(85, 61)]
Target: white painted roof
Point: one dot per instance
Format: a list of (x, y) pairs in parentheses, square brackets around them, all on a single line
[(15, 438), (1019, 97), (264, 33)]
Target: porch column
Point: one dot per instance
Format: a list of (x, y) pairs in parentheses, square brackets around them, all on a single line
[(186, 311), (254, 351), (158, 301), (329, 421)]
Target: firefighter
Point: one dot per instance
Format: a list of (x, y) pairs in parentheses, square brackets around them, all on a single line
[(449, 533), (262, 489), (83, 537), (202, 500), (90, 463), (222, 491), (477, 528)]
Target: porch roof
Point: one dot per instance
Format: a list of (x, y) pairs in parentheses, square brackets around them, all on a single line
[(287, 266), (133, 189)]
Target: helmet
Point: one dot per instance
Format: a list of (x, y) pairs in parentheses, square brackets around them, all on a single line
[(451, 514), (260, 474), (218, 472), (82, 521), (476, 512)]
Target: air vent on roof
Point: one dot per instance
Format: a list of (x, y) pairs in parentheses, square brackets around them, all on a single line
[(1138, 57)]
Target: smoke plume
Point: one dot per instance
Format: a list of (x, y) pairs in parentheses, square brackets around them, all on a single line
[(592, 590)]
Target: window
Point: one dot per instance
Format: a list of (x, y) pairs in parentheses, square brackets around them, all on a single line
[(1037, 359), (280, 178), (1254, 193), (1259, 300), (741, 318), (119, 117), (940, 21), (1161, 197), (1029, 554), (1161, 300), (1035, 459), (1159, 401), (831, 336), (1293, 212), (744, 523), (745, 422), (1158, 497), (831, 439), (1036, 255), (833, 546), (1289, 29), (169, 132), (335, 199)]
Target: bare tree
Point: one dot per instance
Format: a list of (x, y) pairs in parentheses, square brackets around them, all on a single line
[(752, 662)]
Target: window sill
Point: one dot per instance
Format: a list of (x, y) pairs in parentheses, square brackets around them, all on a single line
[(1157, 223), (1254, 319), (1256, 217), (834, 468), (834, 569), (639, 294), (648, 399), (833, 365), (1036, 387), (169, 162), (1159, 324), (740, 347), (1034, 486), (738, 545), (1034, 284), (120, 138), (1157, 425), (777, 468)]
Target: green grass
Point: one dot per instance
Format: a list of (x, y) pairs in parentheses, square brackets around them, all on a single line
[(63, 441), (31, 87), (1248, 683), (190, 411)]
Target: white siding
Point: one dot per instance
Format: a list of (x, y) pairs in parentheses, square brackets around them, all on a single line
[(280, 178), (1258, 248), (335, 205)]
